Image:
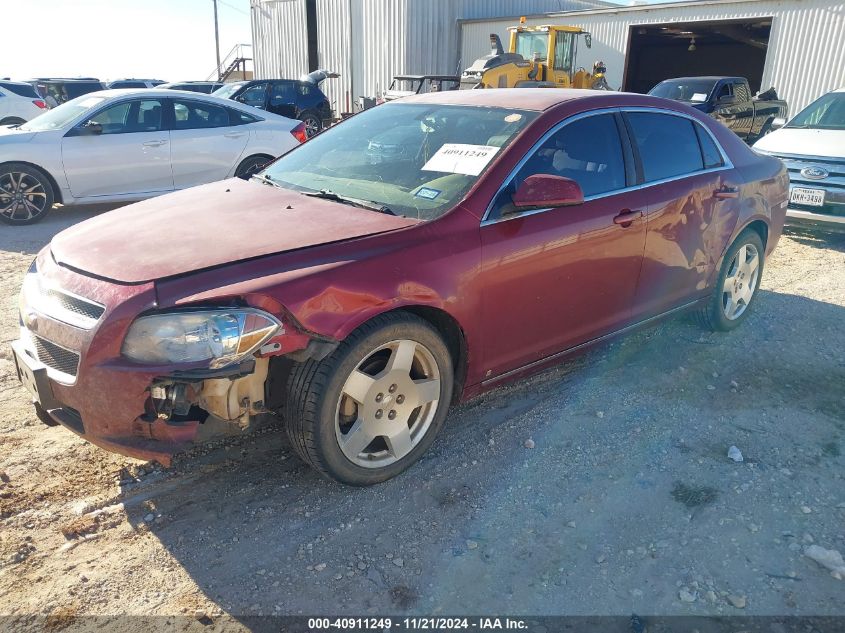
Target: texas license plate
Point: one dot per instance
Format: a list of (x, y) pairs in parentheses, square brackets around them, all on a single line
[(811, 197)]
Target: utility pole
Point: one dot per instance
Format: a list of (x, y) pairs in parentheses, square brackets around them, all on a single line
[(217, 39)]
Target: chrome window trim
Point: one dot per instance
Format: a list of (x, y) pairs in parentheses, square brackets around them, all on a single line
[(485, 220)]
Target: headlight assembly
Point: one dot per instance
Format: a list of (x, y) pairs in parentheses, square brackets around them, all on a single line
[(221, 337)]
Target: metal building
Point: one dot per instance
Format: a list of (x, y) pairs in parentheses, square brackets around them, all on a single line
[(797, 46), (370, 41)]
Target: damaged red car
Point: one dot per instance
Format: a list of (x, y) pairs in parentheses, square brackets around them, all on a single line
[(414, 256)]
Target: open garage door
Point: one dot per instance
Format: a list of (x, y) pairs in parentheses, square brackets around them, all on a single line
[(662, 51)]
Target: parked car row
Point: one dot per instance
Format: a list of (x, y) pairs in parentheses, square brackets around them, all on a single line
[(124, 145), (359, 298)]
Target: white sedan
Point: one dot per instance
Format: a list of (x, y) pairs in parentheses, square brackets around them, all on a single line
[(127, 145)]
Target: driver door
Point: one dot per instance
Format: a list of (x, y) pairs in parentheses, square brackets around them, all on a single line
[(556, 278), (122, 150)]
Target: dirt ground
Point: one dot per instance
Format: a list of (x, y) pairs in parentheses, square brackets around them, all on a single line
[(627, 502)]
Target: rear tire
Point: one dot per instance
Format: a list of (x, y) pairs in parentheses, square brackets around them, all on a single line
[(252, 165), (737, 284), (313, 123), (26, 194), (372, 407)]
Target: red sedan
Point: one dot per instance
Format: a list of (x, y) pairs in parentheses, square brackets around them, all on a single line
[(416, 255)]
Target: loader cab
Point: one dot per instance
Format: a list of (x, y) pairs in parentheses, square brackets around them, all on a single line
[(553, 48)]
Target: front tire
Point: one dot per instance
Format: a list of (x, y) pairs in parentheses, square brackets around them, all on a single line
[(371, 408), (251, 166), (12, 121), (26, 194), (737, 284)]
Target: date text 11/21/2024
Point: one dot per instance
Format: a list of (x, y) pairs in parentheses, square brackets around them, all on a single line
[(417, 624)]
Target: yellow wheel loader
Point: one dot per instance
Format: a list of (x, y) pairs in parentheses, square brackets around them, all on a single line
[(539, 57)]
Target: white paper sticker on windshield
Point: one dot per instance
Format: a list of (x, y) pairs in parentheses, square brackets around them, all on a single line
[(457, 158), (699, 96)]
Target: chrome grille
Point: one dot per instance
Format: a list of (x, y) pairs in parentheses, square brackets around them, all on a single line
[(74, 304), (56, 357)]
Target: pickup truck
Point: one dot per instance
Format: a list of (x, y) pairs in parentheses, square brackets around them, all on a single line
[(728, 100)]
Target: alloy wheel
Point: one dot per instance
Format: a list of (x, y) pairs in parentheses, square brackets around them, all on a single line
[(387, 404), (312, 127), (22, 196), (740, 281)]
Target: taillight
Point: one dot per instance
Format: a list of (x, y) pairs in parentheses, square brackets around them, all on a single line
[(299, 133), (40, 104)]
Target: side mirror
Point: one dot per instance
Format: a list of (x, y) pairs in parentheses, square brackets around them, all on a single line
[(778, 123), (92, 128), (726, 100), (542, 191)]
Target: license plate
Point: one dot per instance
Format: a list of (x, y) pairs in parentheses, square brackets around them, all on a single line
[(33, 375), (811, 197)]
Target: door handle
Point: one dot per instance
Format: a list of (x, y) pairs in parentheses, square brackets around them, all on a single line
[(626, 217), (154, 143), (234, 135), (726, 193)]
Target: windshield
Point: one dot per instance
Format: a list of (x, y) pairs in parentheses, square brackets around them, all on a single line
[(418, 160), (60, 116), (228, 90), (694, 90), (825, 113), (528, 43)]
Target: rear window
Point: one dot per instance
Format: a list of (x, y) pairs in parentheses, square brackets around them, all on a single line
[(23, 90), (668, 145)]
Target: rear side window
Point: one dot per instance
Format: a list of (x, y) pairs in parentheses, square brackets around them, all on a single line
[(193, 115), (282, 93), (668, 145), (240, 118), (709, 152), (24, 90)]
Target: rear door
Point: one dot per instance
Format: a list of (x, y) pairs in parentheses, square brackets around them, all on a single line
[(283, 97), (692, 199), (130, 157), (206, 142)]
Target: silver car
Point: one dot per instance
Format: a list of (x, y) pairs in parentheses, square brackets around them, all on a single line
[(127, 145)]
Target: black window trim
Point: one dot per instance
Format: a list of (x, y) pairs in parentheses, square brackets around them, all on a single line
[(626, 138)]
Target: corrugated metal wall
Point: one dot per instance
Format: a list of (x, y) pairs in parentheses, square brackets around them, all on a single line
[(370, 41), (805, 58), (278, 30)]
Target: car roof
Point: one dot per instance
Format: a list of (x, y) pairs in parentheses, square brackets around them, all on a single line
[(22, 84), (519, 98), (707, 77)]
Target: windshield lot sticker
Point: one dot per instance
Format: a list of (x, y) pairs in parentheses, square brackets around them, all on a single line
[(428, 194), (458, 158), (699, 96)]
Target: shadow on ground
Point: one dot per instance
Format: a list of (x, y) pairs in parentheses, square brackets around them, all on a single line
[(482, 524)]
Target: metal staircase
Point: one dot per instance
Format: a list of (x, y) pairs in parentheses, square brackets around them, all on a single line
[(235, 63)]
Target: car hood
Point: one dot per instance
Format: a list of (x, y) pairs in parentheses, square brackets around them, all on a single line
[(209, 226), (794, 141), (14, 135)]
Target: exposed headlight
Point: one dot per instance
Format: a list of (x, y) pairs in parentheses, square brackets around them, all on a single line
[(221, 337)]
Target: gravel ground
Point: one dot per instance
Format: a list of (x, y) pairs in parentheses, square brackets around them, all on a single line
[(626, 503)]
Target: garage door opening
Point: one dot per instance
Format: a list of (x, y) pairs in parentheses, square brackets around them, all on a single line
[(662, 51)]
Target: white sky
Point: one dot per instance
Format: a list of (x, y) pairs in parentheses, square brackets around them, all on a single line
[(108, 39), (171, 40)]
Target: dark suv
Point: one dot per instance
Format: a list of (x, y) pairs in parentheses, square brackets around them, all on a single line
[(294, 99), (57, 91)]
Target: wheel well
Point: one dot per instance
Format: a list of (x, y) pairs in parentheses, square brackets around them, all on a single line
[(57, 192), (453, 336), (761, 228), (9, 120)]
